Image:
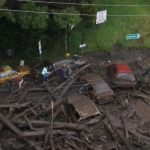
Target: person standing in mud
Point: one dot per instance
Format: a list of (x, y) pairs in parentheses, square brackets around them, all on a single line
[(45, 73), (50, 66)]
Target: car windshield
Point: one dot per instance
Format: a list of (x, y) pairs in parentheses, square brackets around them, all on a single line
[(126, 76), (59, 64), (7, 73)]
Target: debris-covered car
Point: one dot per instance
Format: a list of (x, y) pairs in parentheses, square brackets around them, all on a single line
[(96, 87), (54, 67), (8, 74), (121, 75), (68, 62), (79, 60), (82, 109), (142, 71), (76, 61)]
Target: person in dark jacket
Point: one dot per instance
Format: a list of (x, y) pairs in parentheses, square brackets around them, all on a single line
[(64, 73)]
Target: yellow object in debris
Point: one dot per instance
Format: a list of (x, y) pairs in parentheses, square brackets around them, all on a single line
[(67, 54), (8, 74), (5, 68)]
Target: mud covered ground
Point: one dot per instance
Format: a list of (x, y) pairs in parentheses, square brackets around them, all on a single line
[(124, 123)]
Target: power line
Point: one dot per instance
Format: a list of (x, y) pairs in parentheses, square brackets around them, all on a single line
[(45, 12), (86, 4), (71, 14)]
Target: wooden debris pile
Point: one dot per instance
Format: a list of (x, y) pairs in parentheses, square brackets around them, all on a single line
[(23, 127), (35, 118), (40, 123)]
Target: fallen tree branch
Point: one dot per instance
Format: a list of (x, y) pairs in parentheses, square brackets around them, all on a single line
[(75, 74), (114, 130), (15, 105), (10, 125), (42, 132)]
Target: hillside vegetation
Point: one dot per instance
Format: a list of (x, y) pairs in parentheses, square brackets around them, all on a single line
[(22, 32), (112, 32)]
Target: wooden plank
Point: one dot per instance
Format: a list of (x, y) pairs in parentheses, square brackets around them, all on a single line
[(147, 62), (16, 130), (37, 90), (25, 112), (15, 105), (65, 89), (143, 97), (141, 64), (125, 127), (75, 74), (56, 125), (42, 132), (34, 145), (114, 131), (0, 147), (24, 94), (10, 125)]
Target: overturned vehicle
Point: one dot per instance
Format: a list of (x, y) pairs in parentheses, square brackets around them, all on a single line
[(96, 87), (82, 109)]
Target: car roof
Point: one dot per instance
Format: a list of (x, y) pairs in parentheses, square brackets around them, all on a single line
[(97, 82), (123, 68), (5, 68), (57, 65), (83, 105)]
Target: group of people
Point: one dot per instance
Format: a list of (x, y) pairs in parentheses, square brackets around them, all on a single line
[(64, 72)]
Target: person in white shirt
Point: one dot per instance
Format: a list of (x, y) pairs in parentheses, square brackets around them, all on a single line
[(45, 73)]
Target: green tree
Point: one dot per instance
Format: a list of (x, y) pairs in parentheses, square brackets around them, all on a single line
[(33, 25), (6, 14), (2, 2), (88, 9), (67, 21), (33, 20)]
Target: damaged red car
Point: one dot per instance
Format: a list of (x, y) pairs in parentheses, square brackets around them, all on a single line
[(121, 75)]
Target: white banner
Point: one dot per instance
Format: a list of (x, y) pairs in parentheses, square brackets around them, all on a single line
[(101, 16), (40, 47)]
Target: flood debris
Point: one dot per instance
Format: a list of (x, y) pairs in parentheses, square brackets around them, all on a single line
[(36, 116)]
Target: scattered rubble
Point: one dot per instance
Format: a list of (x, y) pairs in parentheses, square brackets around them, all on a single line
[(35, 116)]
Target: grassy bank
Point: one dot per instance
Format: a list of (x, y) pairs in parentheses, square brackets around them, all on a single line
[(114, 30)]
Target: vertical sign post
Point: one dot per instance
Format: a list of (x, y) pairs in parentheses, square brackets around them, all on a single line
[(133, 36), (40, 48), (82, 46)]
